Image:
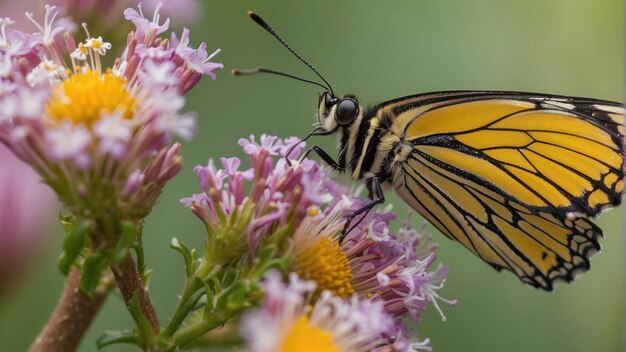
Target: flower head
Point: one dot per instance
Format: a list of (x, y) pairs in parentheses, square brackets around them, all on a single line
[(289, 321), (370, 262), (279, 195), (100, 136)]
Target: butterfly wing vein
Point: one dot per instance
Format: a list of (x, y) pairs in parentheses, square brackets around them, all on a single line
[(515, 179)]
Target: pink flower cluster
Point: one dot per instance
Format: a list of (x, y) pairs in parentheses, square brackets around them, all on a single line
[(99, 136), (389, 272), (279, 194)]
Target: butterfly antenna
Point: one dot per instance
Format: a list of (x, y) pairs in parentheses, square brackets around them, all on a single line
[(271, 31), (244, 72)]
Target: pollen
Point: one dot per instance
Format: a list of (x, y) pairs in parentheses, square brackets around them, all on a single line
[(85, 96), (95, 44), (305, 337), (325, 263), (313, 211)]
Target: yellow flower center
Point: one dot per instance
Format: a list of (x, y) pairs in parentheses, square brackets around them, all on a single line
[(95, 44), (305, 337), (83, 97), (326, 264)]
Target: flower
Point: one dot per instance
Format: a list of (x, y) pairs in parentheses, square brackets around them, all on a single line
[(99, 136), (279, 195), (180, 10), (104, 16), (289, 321), (370, 262), (299, 212)]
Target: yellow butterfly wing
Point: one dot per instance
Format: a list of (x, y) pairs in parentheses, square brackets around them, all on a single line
[(513, 176)]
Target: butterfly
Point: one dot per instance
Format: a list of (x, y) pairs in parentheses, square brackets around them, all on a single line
[(514, 177)]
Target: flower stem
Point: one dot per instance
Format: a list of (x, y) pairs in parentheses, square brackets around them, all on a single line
[(192, 332), (71, 317), (129, 282), (189, 297)]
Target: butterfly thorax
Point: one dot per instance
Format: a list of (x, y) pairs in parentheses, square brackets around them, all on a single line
[(365, 142)]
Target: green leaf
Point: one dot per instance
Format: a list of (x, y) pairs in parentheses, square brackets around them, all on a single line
[(125, 241), (267, 252), (188, 256), (73, 244), (144, 329), (233, 298), (92, 273), (182, 312), (281, 235), (67, 220), (210, 304), (112, 337)]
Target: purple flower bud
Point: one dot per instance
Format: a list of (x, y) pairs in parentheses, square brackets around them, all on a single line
[(133, 182)]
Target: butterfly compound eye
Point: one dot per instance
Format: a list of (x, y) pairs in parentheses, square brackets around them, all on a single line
[(346, 111)]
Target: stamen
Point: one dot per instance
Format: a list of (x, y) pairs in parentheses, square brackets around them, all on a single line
[(212, 55), (31, 16), (49, 18), (84, 25), (4, 23), (156, 17)]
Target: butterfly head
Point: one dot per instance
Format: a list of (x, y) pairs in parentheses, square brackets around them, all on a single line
[(335, 113)]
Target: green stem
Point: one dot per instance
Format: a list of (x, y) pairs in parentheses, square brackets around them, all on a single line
[(192, 332), (191, 294), (183, 308)]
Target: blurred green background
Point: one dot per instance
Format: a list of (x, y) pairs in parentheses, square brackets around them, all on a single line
[(382, 50)]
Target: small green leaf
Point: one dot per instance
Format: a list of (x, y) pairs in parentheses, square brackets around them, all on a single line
[(125, 241), (112, 337), (231, 274), (210, 302), (267, 252), (185, 308), (92, 273), (73, 244), (144, 330), (188, 256), (233, 298), (281, 235), (67, 220)]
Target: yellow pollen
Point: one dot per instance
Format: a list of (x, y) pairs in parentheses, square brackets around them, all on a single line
[(82, 48), (325, 263), (95, 44), (313, 211), (85, 96), (305, 337)]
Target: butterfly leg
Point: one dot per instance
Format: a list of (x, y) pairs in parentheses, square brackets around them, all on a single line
[(324, 156), (376, 197)]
